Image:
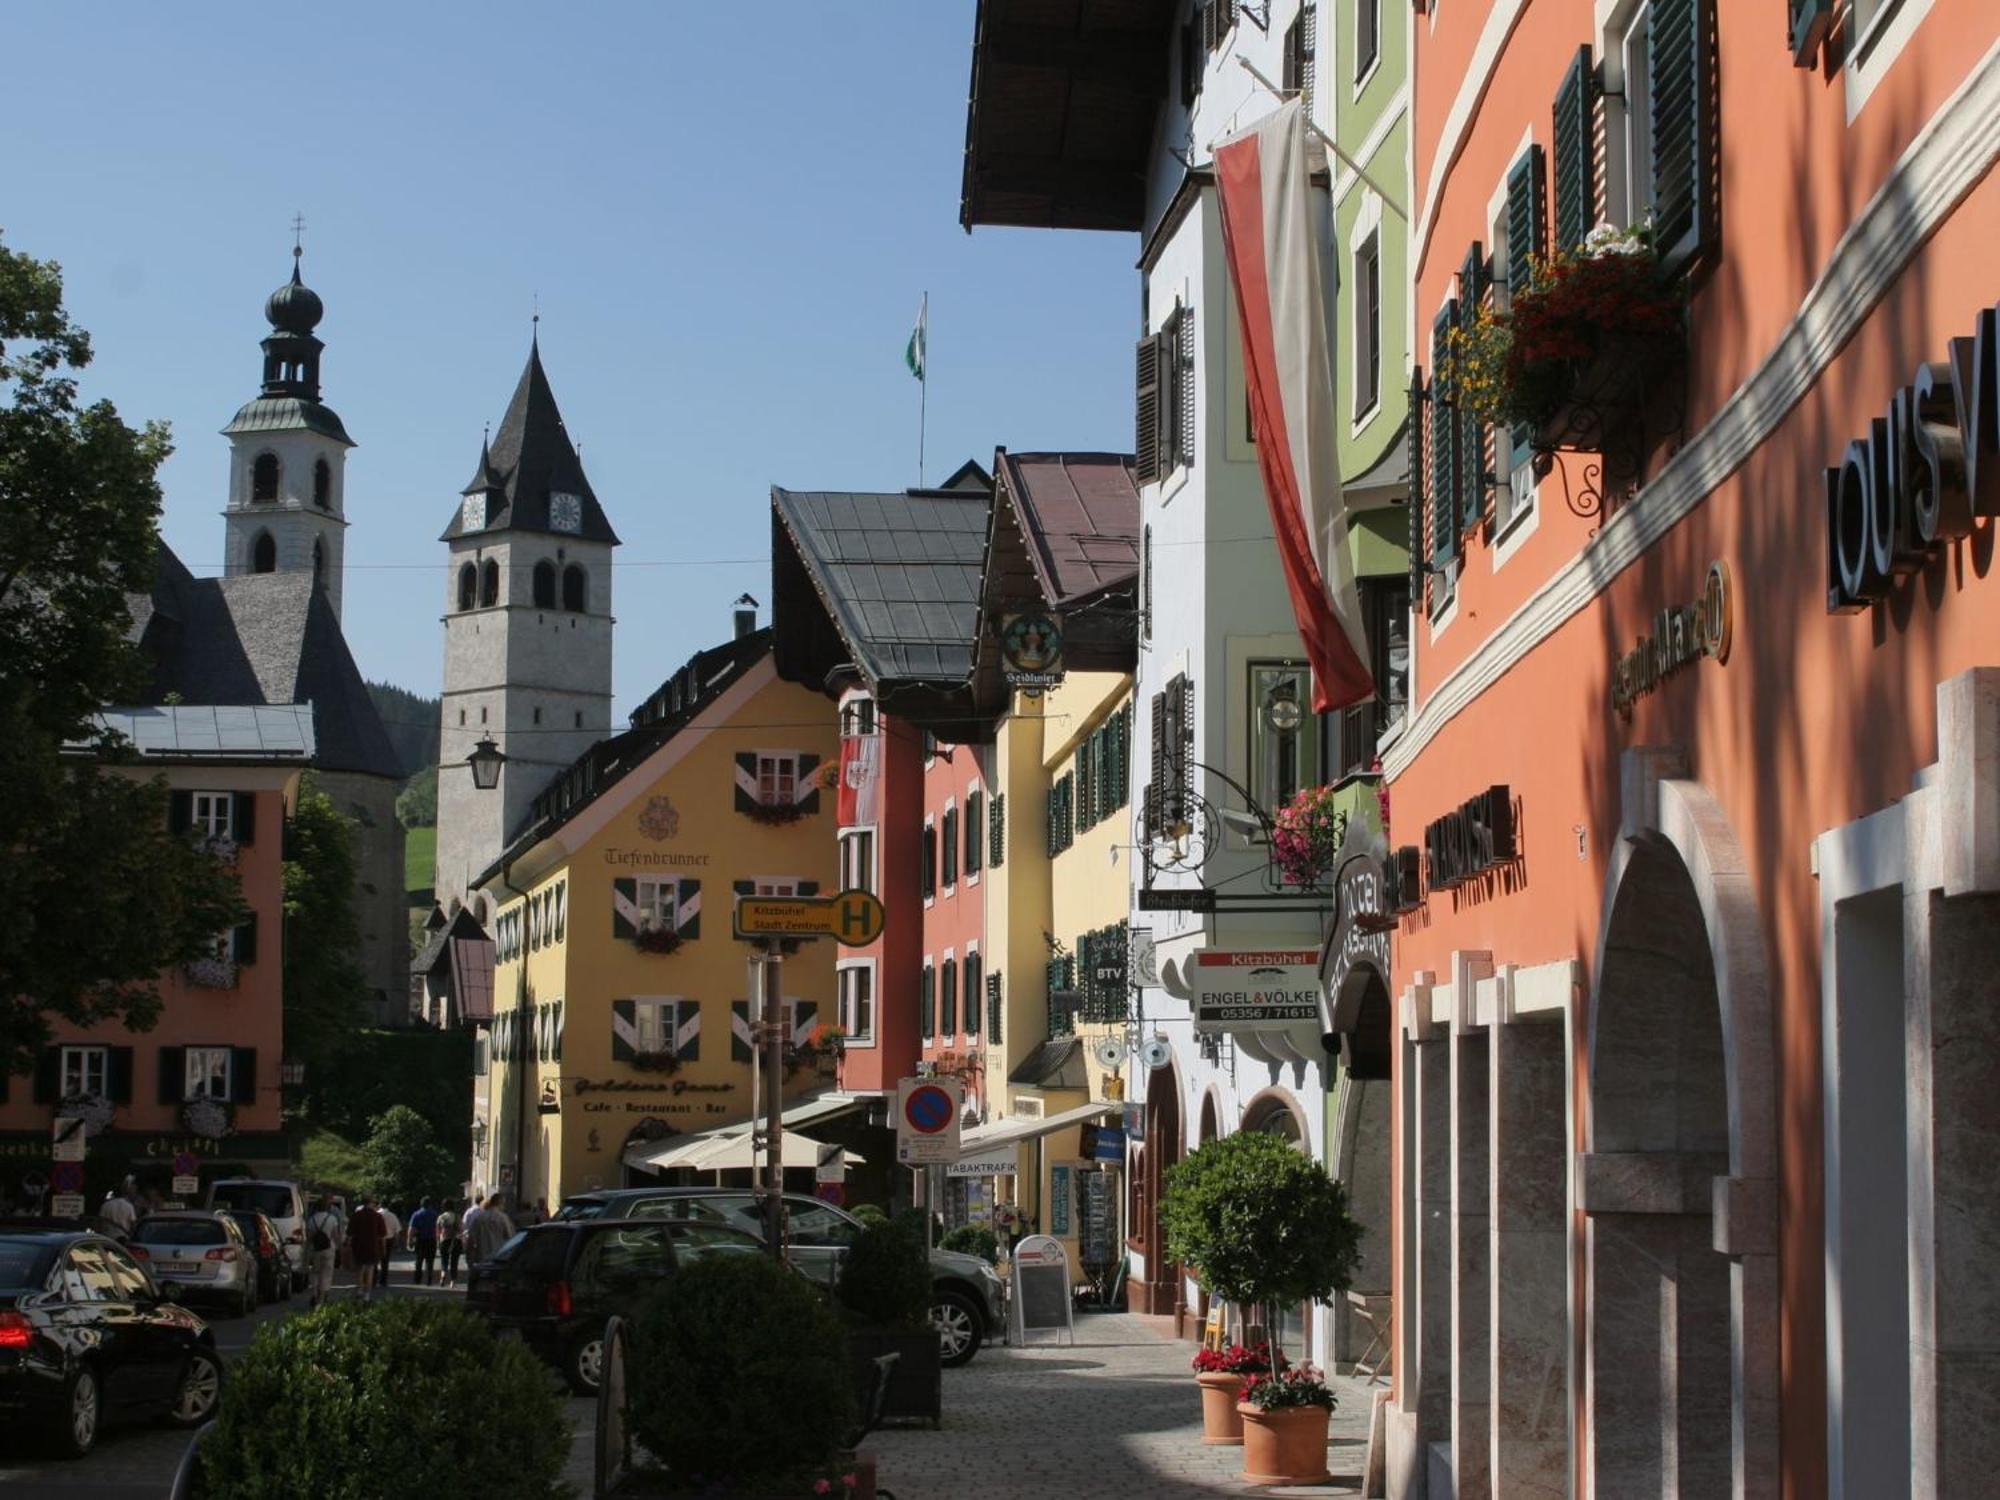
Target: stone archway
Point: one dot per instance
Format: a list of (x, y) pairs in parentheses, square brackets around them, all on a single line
[(1681, 1299), (1161, 1290)]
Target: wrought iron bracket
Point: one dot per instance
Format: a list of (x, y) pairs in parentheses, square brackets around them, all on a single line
[(1249, 13)]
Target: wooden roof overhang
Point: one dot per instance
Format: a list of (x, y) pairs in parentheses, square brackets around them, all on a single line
[(1059, 126)]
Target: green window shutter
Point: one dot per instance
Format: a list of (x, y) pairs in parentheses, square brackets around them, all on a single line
[(1155, 370), (687, 1030), (1413, 456), (999, 817), (927, 1003), (243, 817), (1527, 243), (624, 1030), (972, 994), (1811, 20), (1681, 43), (624, 908), (1444, 441), (739, 1031), (1575, 138), (687, 909), (1473, 279)]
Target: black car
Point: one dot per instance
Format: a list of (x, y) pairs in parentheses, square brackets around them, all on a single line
[(87, 1337), (557, 1284), (261, 1238), (966, 1298)]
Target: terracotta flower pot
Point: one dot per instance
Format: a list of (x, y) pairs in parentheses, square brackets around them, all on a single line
[(1286, 1446), (1220, 1425)]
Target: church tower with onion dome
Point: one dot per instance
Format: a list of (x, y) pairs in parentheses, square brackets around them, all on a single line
[(286, 511), (527, 630)]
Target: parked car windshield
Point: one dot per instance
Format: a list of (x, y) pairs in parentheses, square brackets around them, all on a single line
[(23, 1267), (579, 1208), (182, 1232), (266, 1198)]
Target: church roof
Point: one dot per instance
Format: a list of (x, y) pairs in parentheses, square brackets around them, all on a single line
[(287, 414), (261, 638), (532, 458)]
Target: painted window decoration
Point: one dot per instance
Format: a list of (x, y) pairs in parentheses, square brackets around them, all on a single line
[(857, 1002), (801, 1016), (657, 1032), (777, 786), (655, 913)]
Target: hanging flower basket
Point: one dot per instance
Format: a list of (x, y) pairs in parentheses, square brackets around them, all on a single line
[(652, 939), (210, 1119), (774, 814), (656, 1062), (1306, 835), (210, 973), (828, 1037), (222, 847)]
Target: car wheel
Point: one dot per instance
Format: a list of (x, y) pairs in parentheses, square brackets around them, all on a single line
[(82, 1412), (584, 1369), (201, 1389), (959, 1327)]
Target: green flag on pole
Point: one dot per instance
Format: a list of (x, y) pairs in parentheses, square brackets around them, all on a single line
[(913, 352)]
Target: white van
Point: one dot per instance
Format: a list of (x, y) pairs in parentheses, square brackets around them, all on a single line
[(282, 1202)]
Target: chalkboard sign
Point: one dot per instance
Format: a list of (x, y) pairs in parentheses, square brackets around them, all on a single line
[(1041, 1299)]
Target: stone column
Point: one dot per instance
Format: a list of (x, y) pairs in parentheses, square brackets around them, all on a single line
[(1432, 1378), (1529, 1290), (1471, 1363)]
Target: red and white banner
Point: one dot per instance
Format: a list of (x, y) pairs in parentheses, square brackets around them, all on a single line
[(1271, 228), (860, 773)]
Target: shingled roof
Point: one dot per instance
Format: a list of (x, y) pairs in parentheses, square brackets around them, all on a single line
[(529, 459), (261, 638)]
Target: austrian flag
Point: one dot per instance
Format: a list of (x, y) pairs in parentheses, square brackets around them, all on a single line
[(1271, 231)]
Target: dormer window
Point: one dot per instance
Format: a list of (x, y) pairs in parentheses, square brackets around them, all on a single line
[(264, 474), (474, 516), (565, 512)]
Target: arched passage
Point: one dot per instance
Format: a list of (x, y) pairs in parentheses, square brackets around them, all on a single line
[(1681, 1340), (1160, 1291)]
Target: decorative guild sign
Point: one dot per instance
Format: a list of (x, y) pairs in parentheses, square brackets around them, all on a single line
[(1031, 648), (661, 819), (1681, 636), (1254, 989), (1477, 837)]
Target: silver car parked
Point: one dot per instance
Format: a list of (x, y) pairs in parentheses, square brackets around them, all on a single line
[(202, 1253)]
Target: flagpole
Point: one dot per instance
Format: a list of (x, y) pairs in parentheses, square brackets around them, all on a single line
[(923, 384)]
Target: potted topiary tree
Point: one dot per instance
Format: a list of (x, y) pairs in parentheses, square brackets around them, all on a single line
[(1260, 1224), (885, 1292)]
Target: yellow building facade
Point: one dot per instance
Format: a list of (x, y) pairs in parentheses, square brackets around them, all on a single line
[(621, 998)]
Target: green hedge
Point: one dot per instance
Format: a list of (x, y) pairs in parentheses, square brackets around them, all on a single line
[(885, 1278), (394, 1400)]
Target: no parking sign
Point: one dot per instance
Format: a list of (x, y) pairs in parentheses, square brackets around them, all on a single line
[(927, 1120)]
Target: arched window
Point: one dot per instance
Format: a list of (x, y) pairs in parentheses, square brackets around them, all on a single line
[(573, 588), (468, 586), (323, 484), (319, 561), (489, 584), (264, 554), (264, 477), (545, 585)]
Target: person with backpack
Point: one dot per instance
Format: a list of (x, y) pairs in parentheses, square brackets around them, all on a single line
[(448, 1243), (324, 1232)]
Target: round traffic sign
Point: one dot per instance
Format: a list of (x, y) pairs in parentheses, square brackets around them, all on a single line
[(929, 1109), (831, 1192), (67, 1176), (185, 1164), (858, 918)]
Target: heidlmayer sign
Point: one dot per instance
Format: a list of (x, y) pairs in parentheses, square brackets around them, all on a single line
[(1254, 989)]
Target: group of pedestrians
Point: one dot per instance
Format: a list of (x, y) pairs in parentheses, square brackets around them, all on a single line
[(439, 1239)]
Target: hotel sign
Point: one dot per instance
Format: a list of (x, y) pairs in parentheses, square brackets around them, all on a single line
[(1477, 837), (1254, 989), (1682, 635), (1913, 484)]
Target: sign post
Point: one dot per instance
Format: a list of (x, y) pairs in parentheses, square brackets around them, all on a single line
[(851, 918), (68, 1144)]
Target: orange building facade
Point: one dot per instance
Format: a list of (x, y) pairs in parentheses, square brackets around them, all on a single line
[(1697, 807)]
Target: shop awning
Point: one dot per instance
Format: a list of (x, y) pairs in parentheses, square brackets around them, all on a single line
[(984, 1138), (704, 1151)]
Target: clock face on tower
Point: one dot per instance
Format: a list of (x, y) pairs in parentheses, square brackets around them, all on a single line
[(475, 513), (565, 511)]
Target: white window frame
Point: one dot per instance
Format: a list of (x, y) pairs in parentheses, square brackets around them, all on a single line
[(1620, 25), (1519, 493), (777, 777), (857, 1035), (1367, 341), (1374, 64), (656, 1020), (775, 886), (82, 1065), (657, 898), (1306, 770), (851, 876), (1874, 45), (200, 1075), (213, 814)]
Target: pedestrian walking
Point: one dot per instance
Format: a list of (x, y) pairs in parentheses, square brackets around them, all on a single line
[(423, 1243), (368, 1238), (487, 1231), (324, 1233), (119, 1213), (448, 1243), (393, 1233)]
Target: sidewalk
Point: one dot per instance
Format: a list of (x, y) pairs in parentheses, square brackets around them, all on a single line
[(1116, 1415)]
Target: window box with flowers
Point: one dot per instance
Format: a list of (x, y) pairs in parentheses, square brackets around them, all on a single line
[(1576, 358), (1306, 835), (1220, 1373), (210, 973), (1285, 1415), (660, 1060), (774, 814), (654, 937)]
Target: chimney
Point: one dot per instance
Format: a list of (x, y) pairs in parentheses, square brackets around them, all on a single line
[(746, 616)]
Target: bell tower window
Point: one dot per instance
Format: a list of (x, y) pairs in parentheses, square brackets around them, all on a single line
[(468, 586), (264, 477), (574, 588), (489, 585), (264, 553), (323, 484), (545, 585)]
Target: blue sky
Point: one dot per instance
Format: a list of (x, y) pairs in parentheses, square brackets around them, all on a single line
[(728, 212)]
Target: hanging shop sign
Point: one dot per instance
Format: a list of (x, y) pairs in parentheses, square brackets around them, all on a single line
[(1031, 643), (1254, 989), (551, 1102), (1102, 1142), (986, 1161), (1195, 898), (1915, 483), (1682, 635), (1474, 838)]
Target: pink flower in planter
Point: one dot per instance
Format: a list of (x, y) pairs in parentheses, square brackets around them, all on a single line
[(849, 1480), (822, 1486)]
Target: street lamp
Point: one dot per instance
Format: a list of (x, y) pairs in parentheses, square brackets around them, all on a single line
[(486, 760)]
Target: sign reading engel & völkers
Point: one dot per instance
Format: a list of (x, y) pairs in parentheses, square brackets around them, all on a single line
[(1254, 989)]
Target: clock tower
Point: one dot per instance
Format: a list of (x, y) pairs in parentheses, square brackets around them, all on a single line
[(527, 630)]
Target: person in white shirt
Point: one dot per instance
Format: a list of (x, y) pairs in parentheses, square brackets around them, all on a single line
[(119, 1213), (395, 1228), (324, 1232)]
